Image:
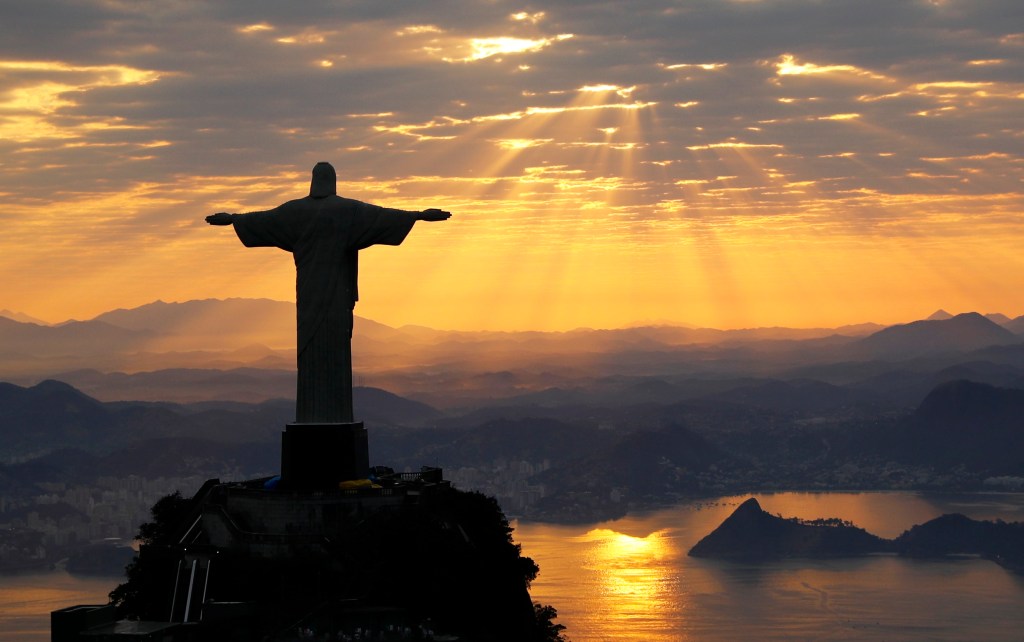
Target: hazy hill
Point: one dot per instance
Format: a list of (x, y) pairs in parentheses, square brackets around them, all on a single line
[(799, 395), (531, 439), (228, 324), (21, 317), (962, 333), (51, 415), (205, 318), (232, 350), (221, 324), (208, 333), (644, 463), (957, 534), (171, 457), (1016, 325), (906, 387), (77, 338), (974, 424), (185, 385), (209, 324), (236, 332)]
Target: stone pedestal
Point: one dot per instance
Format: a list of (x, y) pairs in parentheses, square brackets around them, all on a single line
[(318, 456)]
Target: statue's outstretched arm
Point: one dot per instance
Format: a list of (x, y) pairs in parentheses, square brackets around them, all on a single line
[(220, 218), (433, 214)]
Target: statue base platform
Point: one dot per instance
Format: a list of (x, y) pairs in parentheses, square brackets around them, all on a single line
[(319, 456)]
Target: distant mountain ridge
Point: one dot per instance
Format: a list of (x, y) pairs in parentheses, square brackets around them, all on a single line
[(205, 333), (222, 317), (52, 415), (206, 319), (1016, 326), (474, 367), (21, 317), (961, 333), (994, 317), (85, 338)]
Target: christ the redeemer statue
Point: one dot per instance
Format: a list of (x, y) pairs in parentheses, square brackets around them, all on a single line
[(325, 232)]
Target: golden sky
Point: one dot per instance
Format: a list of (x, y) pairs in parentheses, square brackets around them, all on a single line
[(723, 163)]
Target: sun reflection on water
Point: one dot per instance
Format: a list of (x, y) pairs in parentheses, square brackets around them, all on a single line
[(632, 580), (636, 577)]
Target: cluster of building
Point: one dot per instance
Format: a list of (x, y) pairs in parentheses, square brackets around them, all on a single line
[(40, 530), (509, 481)]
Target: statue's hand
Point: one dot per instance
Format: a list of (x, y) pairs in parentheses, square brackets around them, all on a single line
[(220, 218), (434, 214)]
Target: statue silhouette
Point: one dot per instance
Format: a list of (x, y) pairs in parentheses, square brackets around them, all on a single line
[(325, 232)]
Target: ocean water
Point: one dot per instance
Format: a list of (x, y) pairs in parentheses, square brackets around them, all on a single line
[(26, 600), (630, 579)]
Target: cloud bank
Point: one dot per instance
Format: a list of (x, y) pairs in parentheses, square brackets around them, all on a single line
[(729, 162)]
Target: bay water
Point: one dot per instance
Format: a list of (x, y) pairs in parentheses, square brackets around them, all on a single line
[(631, 580)]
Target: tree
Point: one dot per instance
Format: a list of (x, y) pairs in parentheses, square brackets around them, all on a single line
[(167, 513)]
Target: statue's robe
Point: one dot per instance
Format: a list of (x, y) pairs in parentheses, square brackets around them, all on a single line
[(325, 236)]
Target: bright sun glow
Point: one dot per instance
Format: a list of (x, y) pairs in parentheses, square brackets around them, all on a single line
[(256, 28), (787, 65), (481, 48)]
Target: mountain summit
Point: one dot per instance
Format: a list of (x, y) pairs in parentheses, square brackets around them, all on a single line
[(962, 333)]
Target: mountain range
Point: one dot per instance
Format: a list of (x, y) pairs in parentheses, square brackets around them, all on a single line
[(51, 415), (961, 436), (644, 413), (960, 333), (466, 367)]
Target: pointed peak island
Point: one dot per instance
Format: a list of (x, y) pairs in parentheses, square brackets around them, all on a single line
[(752, 534)]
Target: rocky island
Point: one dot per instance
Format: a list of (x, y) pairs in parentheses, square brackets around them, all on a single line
[(752, 534)]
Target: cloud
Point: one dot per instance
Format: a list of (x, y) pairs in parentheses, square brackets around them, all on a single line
[(847, 117)]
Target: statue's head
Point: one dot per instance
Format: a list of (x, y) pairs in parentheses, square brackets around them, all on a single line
[(325, 181)]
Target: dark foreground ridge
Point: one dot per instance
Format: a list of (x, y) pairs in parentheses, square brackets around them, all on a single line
[(407, 557), (751, 534)]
